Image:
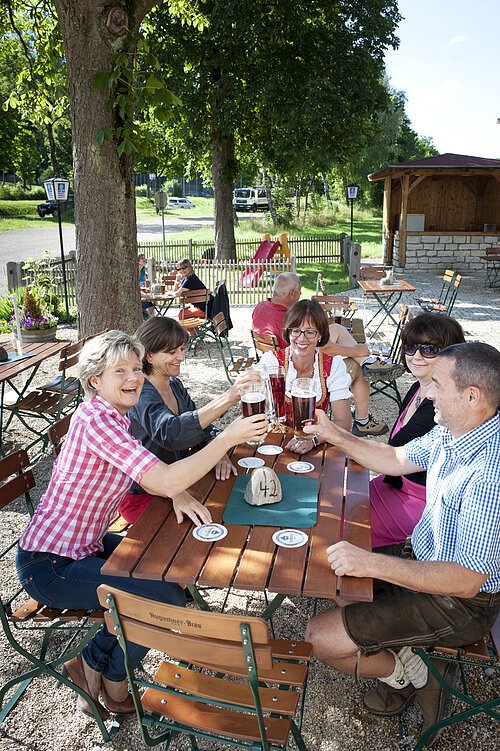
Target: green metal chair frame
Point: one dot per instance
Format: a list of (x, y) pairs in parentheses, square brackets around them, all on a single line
[(444, 292), (232, 366), (19, 615), (182, 699), (485, 655), (447, 306), (386, 383)]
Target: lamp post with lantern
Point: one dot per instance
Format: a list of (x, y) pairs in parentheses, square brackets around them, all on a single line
[(352, 194), (57, 189)]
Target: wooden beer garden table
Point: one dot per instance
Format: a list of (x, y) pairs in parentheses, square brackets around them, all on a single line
[(156, 547), (38, 353), (387, 297)]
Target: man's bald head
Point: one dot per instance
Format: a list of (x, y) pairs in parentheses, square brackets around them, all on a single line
[(286, 289)]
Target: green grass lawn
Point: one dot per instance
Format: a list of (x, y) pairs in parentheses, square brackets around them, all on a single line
[(367, 228), (335, 276)]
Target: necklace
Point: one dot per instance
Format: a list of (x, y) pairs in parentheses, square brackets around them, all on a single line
[(420, 397)]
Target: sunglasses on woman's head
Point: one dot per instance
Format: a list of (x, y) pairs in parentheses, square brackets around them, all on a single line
[(426, 350)]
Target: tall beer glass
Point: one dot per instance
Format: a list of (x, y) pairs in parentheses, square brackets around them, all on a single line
[(253, 402), (303, 405)]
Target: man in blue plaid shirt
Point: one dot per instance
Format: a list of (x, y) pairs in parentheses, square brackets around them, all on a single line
[(443, 586)]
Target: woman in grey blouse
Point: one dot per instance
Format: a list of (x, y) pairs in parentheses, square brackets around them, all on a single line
[(166, 419)]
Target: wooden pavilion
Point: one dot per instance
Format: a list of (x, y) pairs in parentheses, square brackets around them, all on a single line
[(440, 211)]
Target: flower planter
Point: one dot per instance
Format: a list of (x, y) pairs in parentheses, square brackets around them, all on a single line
[(39, 335)]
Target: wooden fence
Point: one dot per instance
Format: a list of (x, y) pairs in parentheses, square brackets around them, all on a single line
[(17, 276), (247, 282), (305, 249)]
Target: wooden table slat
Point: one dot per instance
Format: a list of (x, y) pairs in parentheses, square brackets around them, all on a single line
[(357, 529), (131, 549), (321, 581)]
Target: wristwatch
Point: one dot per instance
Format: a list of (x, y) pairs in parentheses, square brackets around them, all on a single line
[(314, 439)]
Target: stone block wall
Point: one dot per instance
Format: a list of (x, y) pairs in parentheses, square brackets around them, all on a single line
[(435, 252)]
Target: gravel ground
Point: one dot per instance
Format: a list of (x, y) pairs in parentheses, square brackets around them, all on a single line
[(335, 719)]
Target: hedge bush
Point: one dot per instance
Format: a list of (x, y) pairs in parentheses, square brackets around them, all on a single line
[(18, 209), (10, 192)]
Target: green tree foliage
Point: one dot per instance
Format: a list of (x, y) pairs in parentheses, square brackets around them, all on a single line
[(289, 87)]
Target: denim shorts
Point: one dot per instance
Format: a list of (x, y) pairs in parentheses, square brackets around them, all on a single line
[(399, 616)]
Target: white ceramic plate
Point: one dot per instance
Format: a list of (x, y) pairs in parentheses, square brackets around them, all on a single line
[(300, 467), (290, 538), (210, 532), (251, 462), (269, 449)]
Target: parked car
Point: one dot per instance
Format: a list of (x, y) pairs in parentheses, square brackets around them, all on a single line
[(51, 207), (250, 199), (179, 203)]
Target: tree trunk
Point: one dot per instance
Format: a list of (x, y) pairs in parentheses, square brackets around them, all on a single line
[(272, 210), (52, 148), (105, 222), (222, 159), (326, 188)]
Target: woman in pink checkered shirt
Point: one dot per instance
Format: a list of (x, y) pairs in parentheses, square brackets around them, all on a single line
[(62, 550)]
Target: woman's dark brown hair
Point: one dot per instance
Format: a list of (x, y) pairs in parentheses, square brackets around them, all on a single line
[(431, 328), (307, 309), (160, 335)]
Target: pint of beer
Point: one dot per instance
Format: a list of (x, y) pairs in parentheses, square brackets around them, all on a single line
[(303, 405), (253, 402)]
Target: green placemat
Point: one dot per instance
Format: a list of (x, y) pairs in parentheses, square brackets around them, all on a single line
[(14, 356), (298, 506)]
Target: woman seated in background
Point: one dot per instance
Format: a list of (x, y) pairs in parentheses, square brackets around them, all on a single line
[(397, 503), (66, 543), (305, 328), (165, 418)]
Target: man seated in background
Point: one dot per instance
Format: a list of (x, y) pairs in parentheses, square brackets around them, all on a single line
[(268, 317)]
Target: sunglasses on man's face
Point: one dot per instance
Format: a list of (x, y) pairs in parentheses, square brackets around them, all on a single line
[(426, 350)]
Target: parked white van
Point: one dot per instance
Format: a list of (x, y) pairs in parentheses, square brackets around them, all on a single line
[(250, 199)]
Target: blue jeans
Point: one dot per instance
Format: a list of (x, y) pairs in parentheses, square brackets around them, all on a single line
[(63, 583)]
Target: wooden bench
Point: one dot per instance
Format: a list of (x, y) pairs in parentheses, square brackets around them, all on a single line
[(492, 260), (485, 654)]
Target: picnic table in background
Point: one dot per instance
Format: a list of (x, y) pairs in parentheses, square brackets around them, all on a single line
[(386, 296), (247, 558), (33, 356)]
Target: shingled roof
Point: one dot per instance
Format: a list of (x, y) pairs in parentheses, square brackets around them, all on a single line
[(439, 162)]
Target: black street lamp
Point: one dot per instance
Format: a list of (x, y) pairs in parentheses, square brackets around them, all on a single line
[(352, 194), (57, 189)]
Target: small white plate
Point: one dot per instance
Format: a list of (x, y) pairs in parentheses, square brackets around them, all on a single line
[(251, 462), (269, 449), (290, 538), (210, 532), (300, 467)]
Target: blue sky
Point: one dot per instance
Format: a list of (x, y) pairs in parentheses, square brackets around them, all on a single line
[(448, 66)]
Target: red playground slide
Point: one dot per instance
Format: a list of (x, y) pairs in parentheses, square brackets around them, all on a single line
[(252, 274)]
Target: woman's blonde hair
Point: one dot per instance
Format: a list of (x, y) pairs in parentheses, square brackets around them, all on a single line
[(102, 351)]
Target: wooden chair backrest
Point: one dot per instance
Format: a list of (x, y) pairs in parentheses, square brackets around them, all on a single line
[(56, 433), (194, 296), (219, 323), (265, 342), (69, 355), (373, 272), (395, 351), (192, 635), (493, 252), (15, 478), (332, 302), (448, 275)]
